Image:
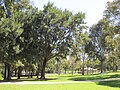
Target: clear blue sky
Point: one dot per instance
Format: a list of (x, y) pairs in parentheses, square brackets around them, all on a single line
[(93, 8)]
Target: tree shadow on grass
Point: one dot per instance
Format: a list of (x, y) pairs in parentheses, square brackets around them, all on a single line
[(115, 76), (28, 79), (113, 83), (85, 78), (99, 77)]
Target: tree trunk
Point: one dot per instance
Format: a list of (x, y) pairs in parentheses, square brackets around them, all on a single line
[(9, 72), (19, 72), (72, 69), (116, 68), (15, 72), (29, 74), (101, 66), (83, 64), (113, 65), (65, 71), (5, 73), (37, 73), (87, 71), (43, 69), (32, 74)]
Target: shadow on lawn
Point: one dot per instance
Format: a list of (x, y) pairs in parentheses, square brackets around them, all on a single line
[(113, 83), (27, 79), (99, 77)]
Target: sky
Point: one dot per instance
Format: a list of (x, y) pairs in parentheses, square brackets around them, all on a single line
[(93, 8)]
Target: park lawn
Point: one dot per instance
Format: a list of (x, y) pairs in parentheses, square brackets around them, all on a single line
[(78, 86), (103, 85), (69, 77), (78, 77)]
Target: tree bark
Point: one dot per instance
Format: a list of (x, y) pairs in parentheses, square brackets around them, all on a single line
[(9, 72), (116, 68), (83, 64), (113, 65), (101, 66), (72, 69), (5, 71), (43, 69), (31, 75), (19, 72)]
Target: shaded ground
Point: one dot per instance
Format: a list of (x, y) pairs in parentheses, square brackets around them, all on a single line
[(27, 80), (112, 83), (99, 77)]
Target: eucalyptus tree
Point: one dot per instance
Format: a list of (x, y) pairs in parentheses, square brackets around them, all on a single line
[(55, 31), (84, 41), (98, 34), (112, 15), (80, 46), (114, 55)]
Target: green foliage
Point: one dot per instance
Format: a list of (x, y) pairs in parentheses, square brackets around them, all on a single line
[(51, 66), (33, 38), (112, 13)]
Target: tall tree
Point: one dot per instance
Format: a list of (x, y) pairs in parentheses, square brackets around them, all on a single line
[(111, 14), (98, 34), (11, 28), (55, 31)]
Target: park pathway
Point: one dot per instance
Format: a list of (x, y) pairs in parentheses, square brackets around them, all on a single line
[(66, 82)]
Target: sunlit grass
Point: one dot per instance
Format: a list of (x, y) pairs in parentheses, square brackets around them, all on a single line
[(69, 77), (80, 86), (102, 85)]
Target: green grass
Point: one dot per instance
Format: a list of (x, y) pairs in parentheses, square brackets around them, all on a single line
[(78, 77), (102, 85), (80, 86), (69, 77), (113, 83), (95, 77)]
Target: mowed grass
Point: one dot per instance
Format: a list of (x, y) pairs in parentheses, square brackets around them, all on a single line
[(102, 85), (69, 77), (78, 77), (80, 86)]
